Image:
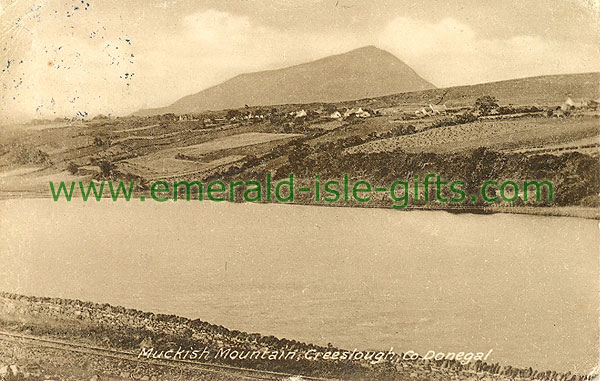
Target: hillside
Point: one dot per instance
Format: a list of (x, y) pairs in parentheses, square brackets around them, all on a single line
[(541, 90), (362, 73), (305, 139)]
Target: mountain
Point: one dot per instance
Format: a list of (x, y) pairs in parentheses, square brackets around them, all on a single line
[(362, 73)]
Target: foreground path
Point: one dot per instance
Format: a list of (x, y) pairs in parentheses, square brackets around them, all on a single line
[(205, 370)]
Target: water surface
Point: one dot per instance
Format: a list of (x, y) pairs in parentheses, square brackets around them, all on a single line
[(525, 286)]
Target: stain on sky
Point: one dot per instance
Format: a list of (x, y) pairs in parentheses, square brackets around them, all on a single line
[(84, 6), (115, 46)]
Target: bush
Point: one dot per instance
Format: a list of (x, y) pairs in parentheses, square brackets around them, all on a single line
[(72, 168), (486, 104), (31, 155)]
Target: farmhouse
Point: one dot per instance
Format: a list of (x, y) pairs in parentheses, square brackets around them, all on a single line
[(570, 104), (438, 109), (422, 111), (335, 115), (351, 111), (357, 112), (300, 114)]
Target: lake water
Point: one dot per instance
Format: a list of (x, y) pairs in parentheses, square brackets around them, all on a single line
[(525, 286)]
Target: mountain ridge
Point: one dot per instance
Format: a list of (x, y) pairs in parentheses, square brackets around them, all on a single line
[(360, 73)]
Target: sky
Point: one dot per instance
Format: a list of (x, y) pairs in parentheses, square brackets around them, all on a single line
[(68, 58)]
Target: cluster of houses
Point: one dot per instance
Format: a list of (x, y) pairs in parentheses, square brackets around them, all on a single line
[(258, 115), (219, 120), (187, 117), (249, 117), (353, 112), (561, 111), (347, 113), (262, 114), (432, 110)]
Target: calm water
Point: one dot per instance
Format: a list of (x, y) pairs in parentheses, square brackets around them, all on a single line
[(526, 287)]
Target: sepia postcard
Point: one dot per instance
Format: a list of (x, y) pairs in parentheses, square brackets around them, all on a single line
[(300, 190)]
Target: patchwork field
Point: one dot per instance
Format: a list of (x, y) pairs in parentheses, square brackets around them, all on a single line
[(229, 142), (497, 134), (129, 130), (169, 163), (162, 168)]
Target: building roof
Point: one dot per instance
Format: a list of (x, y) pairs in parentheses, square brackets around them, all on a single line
[(438, 107)]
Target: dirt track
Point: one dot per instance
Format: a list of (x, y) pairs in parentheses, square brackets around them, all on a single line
[(228, 372)]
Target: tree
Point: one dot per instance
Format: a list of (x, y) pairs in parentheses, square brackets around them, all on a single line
[(232, 114), (485, 104), (330, 108), (106, 167), (72, 168)]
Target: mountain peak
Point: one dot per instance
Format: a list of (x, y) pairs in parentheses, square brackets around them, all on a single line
[(371, 50), (365, 72), (367, 49)]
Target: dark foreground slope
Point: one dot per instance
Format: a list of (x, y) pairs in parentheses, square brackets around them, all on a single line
[(361, 73), (69, 339)]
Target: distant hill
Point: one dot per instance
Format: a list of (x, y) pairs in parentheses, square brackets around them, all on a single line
[(544, 90), (362, 73)]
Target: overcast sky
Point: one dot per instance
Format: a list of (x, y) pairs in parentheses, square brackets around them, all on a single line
[(61, 57)]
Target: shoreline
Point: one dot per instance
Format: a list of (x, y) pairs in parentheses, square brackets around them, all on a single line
[(541, 211)]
